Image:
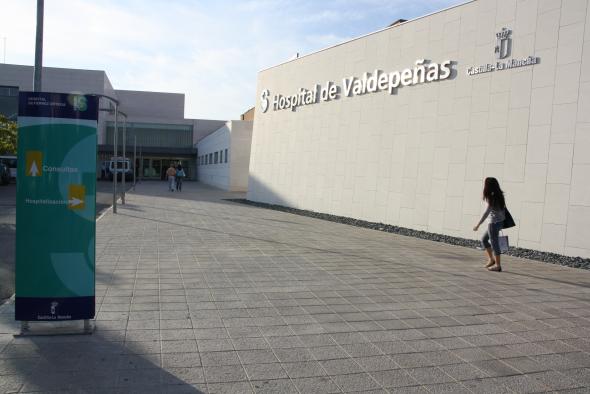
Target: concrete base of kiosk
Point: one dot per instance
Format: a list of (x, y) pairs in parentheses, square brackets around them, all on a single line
[(44, 328)]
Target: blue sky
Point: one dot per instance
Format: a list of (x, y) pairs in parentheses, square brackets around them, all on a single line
[(209, 50)]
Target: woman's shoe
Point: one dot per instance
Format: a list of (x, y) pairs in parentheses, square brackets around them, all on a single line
[(495, 268), (490, 263)]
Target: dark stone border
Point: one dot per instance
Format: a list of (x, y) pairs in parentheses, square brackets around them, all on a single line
[(547, 257)]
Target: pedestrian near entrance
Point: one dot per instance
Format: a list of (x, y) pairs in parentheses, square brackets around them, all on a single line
[(179, 176), (496, 214), (171, 174)]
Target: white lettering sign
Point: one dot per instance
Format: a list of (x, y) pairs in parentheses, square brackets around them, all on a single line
[(377, 81)]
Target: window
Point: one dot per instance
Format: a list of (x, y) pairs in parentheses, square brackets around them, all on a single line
[(210, 158), (216, 157), (221, 156), (226, 155)]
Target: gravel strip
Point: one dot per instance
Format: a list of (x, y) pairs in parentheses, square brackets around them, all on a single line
[(547, 257)]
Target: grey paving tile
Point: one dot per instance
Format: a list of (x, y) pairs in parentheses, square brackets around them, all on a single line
[(230, 388), (257, 356), (473, 354), (408, 390), (316, 385), (555, 380), (450, 388), (274, 386), (376, 363), (215, 345), (294, 354), (225, 373), (304, 369), (428, 375), (394, 378), (581, 359), (265, 371), (362, 350), (250, 343), (411, 360), (181, 360), (315, 340), (395, 347), (464, 371), (355, 382), (286, 342), (328, 352), (219, 358), (581, 375), (243, 332), (180, 346), (557, 361), (341, 366), (188, 375), (178, 334)]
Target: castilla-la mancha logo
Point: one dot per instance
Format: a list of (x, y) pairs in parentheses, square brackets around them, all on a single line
[(53, 307), (503, 43), (502, 50)]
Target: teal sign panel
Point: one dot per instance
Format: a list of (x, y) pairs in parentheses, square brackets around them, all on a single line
[(56, 203)]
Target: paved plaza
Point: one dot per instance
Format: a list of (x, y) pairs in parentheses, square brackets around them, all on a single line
[(196, 294)]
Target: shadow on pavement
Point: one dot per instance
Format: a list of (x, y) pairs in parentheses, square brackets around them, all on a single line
[(7, 250), (100, 362)]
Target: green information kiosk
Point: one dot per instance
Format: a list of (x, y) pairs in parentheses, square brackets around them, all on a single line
[(55, 211)]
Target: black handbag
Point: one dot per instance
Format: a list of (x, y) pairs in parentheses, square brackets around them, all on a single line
[(508, 220)]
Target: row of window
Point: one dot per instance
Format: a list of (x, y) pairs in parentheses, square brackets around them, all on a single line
[(213, 158), (154, 135)]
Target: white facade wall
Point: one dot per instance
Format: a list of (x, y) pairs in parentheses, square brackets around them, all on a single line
[(236, 137), (217, 175), (239, 154), (154, 104), (61, 80), (418, 158), (204, 127)]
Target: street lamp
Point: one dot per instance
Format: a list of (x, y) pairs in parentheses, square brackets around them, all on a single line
[(114, 102)]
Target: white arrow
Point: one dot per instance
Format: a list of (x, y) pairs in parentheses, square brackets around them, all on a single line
[(75, 201), (34, 171)]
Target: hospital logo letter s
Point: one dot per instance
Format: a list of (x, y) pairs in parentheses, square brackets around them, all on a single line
[(264, 100)]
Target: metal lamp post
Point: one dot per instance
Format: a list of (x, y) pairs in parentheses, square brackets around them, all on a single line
[(134, 159), (114, 103), (124, 172), (37, 87)]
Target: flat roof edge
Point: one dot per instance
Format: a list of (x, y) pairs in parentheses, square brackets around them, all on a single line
[(368, 34)]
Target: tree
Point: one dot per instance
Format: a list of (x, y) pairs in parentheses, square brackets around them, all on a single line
[(8, 135)]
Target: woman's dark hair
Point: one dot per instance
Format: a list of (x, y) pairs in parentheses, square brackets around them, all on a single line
[(493, 194)]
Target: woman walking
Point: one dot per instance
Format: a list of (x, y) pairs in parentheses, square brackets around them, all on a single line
[(496, 214), (179, 176)]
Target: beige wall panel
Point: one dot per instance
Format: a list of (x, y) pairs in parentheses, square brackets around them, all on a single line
[(417, 157)]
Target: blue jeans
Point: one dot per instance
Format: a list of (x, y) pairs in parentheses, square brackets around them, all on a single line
[(492, 236)]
